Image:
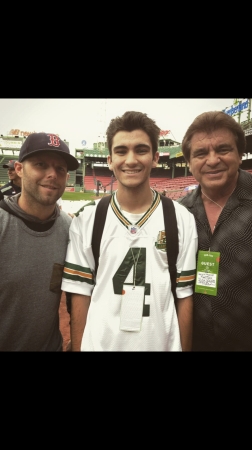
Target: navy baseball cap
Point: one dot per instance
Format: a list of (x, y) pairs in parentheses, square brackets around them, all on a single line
[(38, 142), (10, 165)]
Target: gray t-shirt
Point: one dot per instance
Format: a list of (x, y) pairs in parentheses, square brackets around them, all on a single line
[(30, 281)]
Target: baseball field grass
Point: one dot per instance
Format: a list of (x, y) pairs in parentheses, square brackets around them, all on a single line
[(72, 196)]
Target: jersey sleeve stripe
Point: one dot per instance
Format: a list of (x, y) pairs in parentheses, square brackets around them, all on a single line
[(186, 278), (78, 273)]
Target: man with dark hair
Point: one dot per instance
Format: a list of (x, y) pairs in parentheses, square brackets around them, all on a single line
[(14, 185), (213, 145), (33, 241), (129, 305), (128, 122)]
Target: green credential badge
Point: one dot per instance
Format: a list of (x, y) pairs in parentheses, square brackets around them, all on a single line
[(207, 272)]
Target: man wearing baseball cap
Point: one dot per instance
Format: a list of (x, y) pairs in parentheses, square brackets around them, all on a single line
[(14, 185), (33, 239)]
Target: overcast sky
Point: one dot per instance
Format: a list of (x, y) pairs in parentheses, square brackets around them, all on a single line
[(81, 119)]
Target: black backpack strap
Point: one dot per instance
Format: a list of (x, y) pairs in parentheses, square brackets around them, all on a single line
[(171, 232), (99, 221)]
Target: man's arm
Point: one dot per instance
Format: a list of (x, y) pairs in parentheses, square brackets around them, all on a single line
[(84, 206), (185, 320), (79, 309)]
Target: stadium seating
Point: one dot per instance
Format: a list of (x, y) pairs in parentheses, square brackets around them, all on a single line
[(174, 186), (103, 174), (158, 180)]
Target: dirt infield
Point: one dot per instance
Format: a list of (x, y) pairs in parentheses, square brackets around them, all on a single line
[(64, 321)]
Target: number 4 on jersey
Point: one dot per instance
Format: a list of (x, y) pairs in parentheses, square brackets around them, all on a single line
[(140, 269)]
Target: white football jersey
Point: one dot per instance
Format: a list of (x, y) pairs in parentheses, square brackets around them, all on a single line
[(132, 306)]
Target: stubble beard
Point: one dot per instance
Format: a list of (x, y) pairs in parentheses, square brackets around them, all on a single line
[(32, 192)]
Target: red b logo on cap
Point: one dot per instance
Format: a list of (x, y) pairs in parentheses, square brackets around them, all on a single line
[(54, 140)]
